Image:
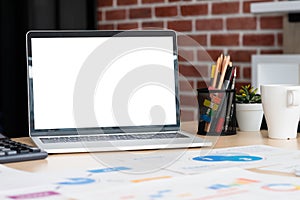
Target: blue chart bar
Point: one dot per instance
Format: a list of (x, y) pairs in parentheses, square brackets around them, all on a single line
[(221, 158), (77, 181), (111, 169)]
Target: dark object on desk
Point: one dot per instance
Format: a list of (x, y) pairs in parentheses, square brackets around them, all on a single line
[(18, 17), (216, 112), (1, 128), (294, 17), (11, 151)]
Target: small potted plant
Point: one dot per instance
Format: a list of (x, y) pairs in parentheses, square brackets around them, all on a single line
[(249, 111)]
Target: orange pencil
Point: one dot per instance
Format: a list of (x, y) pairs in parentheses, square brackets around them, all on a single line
[(225, 63), (218, 67)]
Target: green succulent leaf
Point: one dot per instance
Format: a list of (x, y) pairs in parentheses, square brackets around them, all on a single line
[(248, 94)]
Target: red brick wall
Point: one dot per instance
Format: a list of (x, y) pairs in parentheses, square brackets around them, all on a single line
[(219, 26)]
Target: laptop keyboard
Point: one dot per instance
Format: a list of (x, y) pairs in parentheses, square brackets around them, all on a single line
[(113, 137), (11, 151)]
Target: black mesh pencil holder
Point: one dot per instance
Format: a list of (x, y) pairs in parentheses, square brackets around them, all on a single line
[(216, 112)]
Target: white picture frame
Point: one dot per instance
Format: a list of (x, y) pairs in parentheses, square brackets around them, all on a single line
[(275, 69)]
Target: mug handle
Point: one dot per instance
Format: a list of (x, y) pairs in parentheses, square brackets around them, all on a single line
[(293, 98)]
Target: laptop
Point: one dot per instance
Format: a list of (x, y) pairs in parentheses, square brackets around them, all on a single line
[(104, 91)]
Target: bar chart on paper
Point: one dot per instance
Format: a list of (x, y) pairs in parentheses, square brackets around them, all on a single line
[(231, 184)]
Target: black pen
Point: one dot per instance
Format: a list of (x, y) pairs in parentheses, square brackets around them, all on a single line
[(230, 105), (228, 76)]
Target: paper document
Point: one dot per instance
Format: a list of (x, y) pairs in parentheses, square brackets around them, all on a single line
[(233, 184), (247, 157), (194, 173), (15, 179)]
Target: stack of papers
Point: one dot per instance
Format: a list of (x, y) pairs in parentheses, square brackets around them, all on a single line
[(205, 174)]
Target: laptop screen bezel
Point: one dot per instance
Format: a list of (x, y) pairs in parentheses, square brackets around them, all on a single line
[(97, 130)]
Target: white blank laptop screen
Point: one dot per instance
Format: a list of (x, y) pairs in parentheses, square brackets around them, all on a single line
[(57, 64)]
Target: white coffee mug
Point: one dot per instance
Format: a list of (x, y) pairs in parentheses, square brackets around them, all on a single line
[(281, 106)]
